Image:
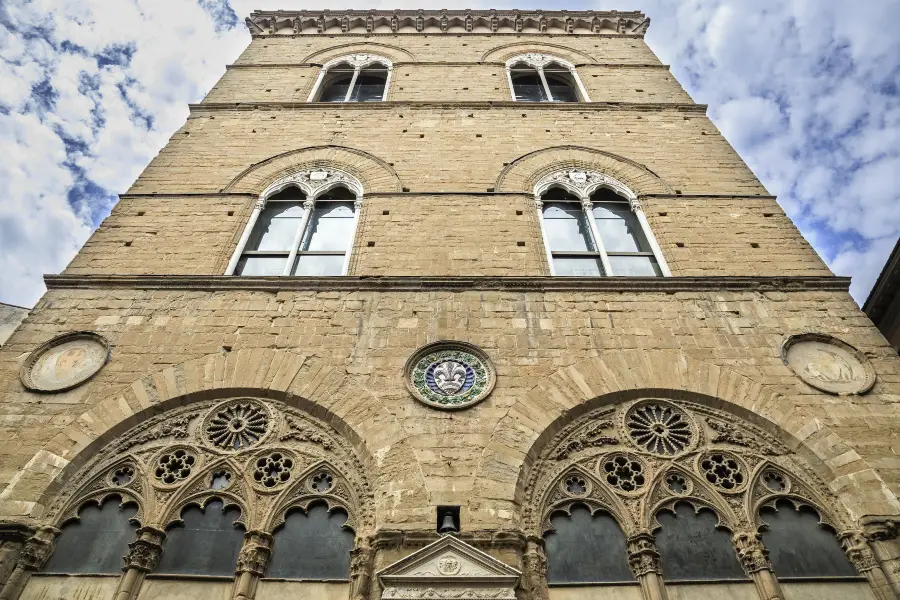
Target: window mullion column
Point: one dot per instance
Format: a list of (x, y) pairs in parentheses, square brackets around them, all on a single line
[(754, 558), (387, 83), (143, 556), (643, 558), (248, 229), (352, 84), (638, 210), (588, 208), (317, 86), (543, 77), (581, 88), (298, 239)]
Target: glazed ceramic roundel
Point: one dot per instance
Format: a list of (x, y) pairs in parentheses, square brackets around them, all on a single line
[(449, 375)]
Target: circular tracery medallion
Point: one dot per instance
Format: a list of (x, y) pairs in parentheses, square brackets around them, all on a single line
[(828, 364), (449, 375), (65, 362), (237, 424)]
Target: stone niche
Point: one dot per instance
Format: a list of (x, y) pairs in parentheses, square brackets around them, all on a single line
[(449, 568)]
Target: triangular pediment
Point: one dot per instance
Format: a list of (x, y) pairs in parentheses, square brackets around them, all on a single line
[(449, 564)]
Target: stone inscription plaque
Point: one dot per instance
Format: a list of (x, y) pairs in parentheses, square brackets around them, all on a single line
[(65, 362), (828, 364)]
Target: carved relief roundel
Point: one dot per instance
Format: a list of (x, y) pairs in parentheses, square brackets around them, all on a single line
[(65, 362), (237, 424), (660, 428), (449, 375), (828, 364)]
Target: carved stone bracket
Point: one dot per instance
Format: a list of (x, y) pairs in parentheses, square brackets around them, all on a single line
[(858, 551), (643, 558), (255, 554), (143, 553), (38, 548), (751, 553)]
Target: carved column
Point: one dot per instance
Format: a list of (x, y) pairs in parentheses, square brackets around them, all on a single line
[(143, 556), (755, 559), (882, 534), (643, 559), (37, 550), (860, 554), (251, 564), (361, 563), (12, 540), (534, 570)]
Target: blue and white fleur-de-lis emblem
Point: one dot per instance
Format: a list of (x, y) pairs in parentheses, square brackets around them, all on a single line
[(450, 377)]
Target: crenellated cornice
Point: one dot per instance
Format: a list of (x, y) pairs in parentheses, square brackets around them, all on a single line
[(302, 22)]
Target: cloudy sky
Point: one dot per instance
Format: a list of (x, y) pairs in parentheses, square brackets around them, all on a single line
[(808, 91)]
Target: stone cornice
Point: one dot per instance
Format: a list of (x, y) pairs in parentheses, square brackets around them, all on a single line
[(418, 284), (417, 193), (556, 106), (374, 22), (447, 64)]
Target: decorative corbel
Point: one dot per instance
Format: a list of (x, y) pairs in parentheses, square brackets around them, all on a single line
[(37, 550), (860, 554), (142, 558), (251, 564), (754, 558), (534, 570), (643, 558)]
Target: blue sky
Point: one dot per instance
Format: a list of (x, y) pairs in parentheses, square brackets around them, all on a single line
[(808, 91)]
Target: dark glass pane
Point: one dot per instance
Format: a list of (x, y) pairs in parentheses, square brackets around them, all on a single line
[(330, 227), (369, 86), (567, 266), (312, 546), (317, 265), (634, 266), (567, 228), (619, 228), (206, 544), (336, 89), (691, 548), (276, 227), (291, 192), (96, 542), (556, 193), (586, 549), (261, 265), (561, 88), (528, 87), (338, 193), (800, 547)]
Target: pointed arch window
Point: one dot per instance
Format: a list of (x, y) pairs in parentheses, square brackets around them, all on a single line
[(544, 78), (356, 78), (594, 226), (303, 225)]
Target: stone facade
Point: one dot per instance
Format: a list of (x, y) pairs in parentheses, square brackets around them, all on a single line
[(448, 246), (10, 318)]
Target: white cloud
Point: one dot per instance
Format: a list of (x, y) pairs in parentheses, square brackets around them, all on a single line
[(806, 90)]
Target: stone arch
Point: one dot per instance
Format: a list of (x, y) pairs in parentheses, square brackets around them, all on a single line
[(507, 51), (323, 391), (395, 53), (562, 397), (523, 173), (375, 174)]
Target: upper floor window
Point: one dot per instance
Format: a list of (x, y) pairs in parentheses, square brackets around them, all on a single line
[(357, 78), (543, 78), (594, 226), (302, 225)]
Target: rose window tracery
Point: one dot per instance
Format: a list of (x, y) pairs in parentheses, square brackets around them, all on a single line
[(122, 476), (660, 428), (576, 485), (774, 481), (174, 466), (624, 473), (237, 425), (723, 471), (322, 482), (677, 484), (220, 480), (273, 470)]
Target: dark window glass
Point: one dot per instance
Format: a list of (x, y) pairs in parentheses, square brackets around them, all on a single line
[(561, 87), (96, 542), (369, 86), (207, 543), (336, 89), (692, 548), (566, 227), (586, 548), (527, 85), (312, 546), (276, 227), (799, 546)]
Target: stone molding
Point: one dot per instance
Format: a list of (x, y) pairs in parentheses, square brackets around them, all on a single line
[(419, 284), (476, 104), (285, 22), (434, 63)]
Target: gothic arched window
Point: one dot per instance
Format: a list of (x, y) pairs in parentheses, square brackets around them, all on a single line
[(96, 542), (586, 548), (206, 542), (542, 78), (358, 78), (303, 227), (312, 545), (591, 229), (693, 548)]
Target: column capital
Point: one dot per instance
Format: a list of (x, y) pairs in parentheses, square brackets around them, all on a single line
[(144, 552), (858, 552), (643, 558), (38, 548), (751, 552), (255, 553), (10, 531)]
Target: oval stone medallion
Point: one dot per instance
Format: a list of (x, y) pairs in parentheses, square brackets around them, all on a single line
[(65, 362)]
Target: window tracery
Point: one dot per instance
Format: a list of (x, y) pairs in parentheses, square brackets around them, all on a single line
[(677, 474), (303, 224), (535, 77), (593, 225), (354, 78)]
